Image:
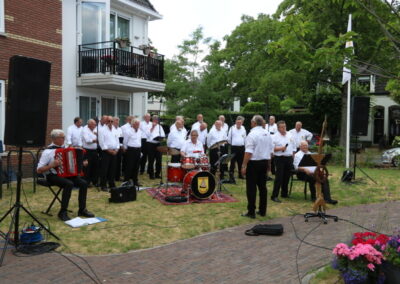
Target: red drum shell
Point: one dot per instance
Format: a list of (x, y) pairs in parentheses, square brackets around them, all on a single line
[(175, 173), (201, 184), (188, 162)]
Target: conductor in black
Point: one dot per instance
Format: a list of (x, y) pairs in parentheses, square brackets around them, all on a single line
[(258, 148)]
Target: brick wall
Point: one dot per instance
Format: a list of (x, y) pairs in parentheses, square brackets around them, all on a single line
[(33, 29)]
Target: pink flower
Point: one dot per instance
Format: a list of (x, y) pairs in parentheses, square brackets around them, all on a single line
[(371, 266)]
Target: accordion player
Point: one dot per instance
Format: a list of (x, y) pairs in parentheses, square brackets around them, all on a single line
[(71, 161)]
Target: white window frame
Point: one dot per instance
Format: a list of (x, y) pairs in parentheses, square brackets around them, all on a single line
[(2, 17), (115, 98), (79, 17), (2, 108), (124, 16)]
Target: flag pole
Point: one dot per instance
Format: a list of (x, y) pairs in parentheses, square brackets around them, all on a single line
[(348, 124)]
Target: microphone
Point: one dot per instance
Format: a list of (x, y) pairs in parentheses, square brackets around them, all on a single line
[(285, 147)]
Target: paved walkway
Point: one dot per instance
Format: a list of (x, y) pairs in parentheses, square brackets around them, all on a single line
[(226, 256)]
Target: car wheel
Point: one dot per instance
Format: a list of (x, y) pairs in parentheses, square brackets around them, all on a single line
[(396, 161)]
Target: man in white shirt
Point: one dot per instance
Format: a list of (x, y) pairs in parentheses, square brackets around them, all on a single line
[(178, 118), (299, 134), (272, 127), (215, 136), (124, 127), (47, 165), (284, 148), (199, 121), (74, 133), (192, 147), (120, 137), (89, 141), (236, 138), (224, 125), (145, 126), (154, 135), (109, 143), (257, 153), (176, 139), (132, 146), (203, 132), (307, 174)]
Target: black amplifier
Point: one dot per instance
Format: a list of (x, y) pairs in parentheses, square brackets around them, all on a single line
[(124, 193)]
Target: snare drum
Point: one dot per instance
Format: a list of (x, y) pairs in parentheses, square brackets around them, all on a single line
[(200, 184), (188, 163), (175, 172), (202, 163)]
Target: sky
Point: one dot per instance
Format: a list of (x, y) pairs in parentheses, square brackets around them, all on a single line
[(217, 17)]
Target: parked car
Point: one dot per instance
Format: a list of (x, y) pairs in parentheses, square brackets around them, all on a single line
[(391, 156)]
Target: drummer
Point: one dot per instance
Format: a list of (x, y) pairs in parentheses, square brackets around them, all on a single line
[(192, 147), (176, 139), (216, 142)]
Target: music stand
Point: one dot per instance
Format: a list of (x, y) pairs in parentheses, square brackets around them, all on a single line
[(320, 175), (223, 160)]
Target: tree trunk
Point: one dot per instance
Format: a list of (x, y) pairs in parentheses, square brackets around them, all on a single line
[(343, 122)]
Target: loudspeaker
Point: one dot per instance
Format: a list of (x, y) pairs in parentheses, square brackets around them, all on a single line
[(359, 116), (27, 102)]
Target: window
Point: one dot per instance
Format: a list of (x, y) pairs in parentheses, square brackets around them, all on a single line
[(2, 29), (364, 81), (115, 107), (93, 22), (119, 27), (87, 108), (2, 108)]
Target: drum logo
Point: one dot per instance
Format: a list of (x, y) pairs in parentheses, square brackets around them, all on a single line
[(202, 184)]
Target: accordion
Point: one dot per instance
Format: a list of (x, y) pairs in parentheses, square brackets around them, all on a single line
[(71, 162)]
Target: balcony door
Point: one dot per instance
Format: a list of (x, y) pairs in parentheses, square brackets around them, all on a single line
[(93, 21), (116, 107), (119, 26)]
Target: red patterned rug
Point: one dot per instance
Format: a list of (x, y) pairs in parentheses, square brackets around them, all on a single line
[(172, 191)]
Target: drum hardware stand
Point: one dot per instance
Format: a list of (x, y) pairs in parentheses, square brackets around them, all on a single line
[(224, 159), (161, 184), (14, 211)]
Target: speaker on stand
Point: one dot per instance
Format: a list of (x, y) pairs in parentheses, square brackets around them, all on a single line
[(26, 121)]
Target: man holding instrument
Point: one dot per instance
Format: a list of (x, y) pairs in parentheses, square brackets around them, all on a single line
[(47, 166)]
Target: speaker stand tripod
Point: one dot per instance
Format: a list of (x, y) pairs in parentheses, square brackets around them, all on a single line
[(357, 167), (14, 211)]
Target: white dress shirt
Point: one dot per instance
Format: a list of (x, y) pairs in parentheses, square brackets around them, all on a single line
[(108, 139), (132, 138), (192, 150), (216, 136), (279, 140), (176, 138), (125, 127), (145, 127), (196, 125), (157, 131), (173, 128), (46, 158), (118, 133), (301, 135), (88, 136), (224, 127), (237, 137), (272, 129), (297, 158), (202, 135), (259, 144), (74, 136)]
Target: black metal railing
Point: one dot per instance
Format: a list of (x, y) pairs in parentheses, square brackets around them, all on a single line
[(108, 57)]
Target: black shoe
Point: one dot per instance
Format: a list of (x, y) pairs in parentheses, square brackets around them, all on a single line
[(241, 177), (285, 196), (248, 215), (275, 199), (158, 176), (111, 185), (63, 216), (332, 201), (269, 178), (138, 184), (85, 213), (105, 189), (141, 173), (262, 215), (151, 177)]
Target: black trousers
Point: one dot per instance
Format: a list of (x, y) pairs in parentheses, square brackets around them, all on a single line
[(273, 165), (144, 158), (176, 158), (326, 191), (153, 156), (118, 165), (255, 178), (283, 164), (107, 169), (132, 156), (67, 184), (214, 158), (237, 159), (92, 169), (311, 182)]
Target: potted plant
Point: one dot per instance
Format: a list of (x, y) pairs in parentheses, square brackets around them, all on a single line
[(123, 42), (361, 261), (391, 266), (147, 49)]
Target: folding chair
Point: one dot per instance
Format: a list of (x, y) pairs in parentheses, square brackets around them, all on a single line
[(293, 177)]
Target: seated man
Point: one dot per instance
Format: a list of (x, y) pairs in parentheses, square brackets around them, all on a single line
[(307, 174), (47, 165), (192, 147)]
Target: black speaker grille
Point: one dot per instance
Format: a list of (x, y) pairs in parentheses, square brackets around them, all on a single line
[(359, 116)]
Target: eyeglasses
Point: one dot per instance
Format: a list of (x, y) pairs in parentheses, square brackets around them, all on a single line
[(111, 121)]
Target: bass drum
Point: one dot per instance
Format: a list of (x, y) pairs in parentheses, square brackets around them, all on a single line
[(200, 184)]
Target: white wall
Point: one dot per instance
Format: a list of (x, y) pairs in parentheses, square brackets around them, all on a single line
[(139, 104)]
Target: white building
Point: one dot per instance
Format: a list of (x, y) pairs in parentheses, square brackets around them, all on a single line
[(98, 75)]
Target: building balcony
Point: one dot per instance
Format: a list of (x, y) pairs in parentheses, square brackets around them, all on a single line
[(104, 65)]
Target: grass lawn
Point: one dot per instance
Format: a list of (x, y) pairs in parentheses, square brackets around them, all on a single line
[(147, 223)]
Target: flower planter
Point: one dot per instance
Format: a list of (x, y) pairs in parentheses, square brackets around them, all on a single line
[(392, 273), (123, 44)]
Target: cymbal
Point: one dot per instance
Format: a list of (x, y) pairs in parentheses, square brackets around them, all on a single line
[(220, 143), (173, 151), (162, 149)]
